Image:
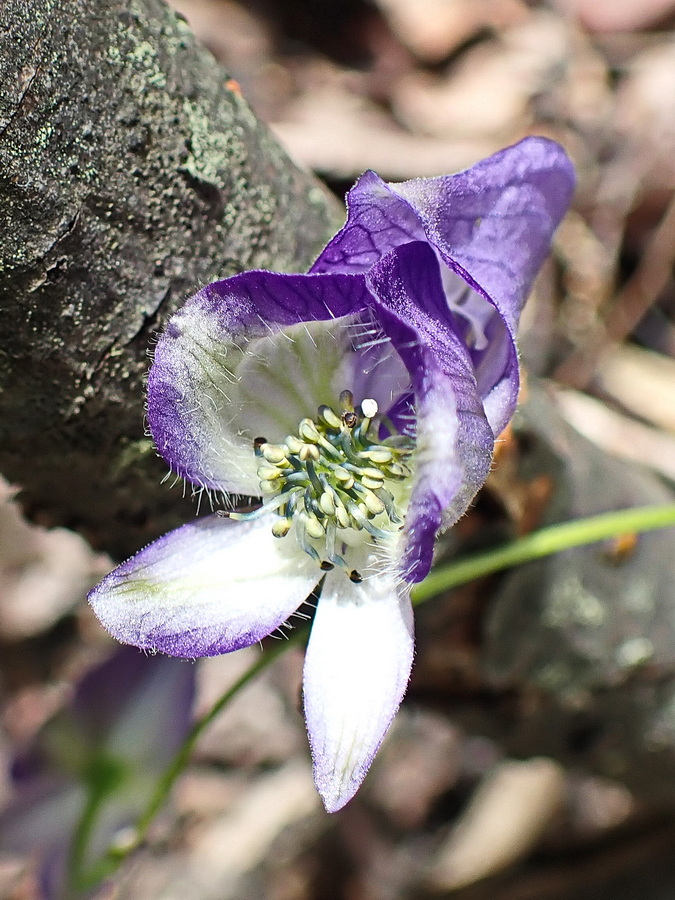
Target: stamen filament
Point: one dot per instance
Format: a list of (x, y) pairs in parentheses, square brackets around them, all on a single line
[(331, 476), (314, 478)]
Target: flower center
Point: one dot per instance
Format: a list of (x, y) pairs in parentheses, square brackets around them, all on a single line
[(333, 476)]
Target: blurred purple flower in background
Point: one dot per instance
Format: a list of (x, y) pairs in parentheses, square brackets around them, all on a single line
[(360, 402), (91, 771)]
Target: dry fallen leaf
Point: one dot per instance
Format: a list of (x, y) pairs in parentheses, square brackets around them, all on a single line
[(640, 381), (335, 131), (432, 29), (43, 574), (505, 819), (489, 91), (608, 15)]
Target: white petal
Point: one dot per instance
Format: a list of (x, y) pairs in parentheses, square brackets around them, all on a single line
[(356, 672), (210, 394), (287, 375), (207, 588)]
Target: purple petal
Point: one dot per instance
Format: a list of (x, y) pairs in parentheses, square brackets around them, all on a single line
[(492, 226), (147, 697), (454, 440), (209, 587), (113, 689), (356, 671), (377, 221), (224, 373)]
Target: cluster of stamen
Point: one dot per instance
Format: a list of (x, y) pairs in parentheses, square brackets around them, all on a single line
[(334, 474)]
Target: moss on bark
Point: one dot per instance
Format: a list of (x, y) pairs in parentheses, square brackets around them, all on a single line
[(131, 172)]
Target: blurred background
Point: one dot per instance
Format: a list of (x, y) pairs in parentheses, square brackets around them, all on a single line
[(533, 758)]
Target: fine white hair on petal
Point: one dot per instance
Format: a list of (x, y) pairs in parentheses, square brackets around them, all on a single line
[(209, 587), (213, 393), (356, 671)]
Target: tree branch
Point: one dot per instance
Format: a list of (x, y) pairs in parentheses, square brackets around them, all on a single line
[(131, 173)]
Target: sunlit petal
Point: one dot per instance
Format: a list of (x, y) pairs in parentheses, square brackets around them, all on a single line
[(454, 441), (356, 672), (209, 587)]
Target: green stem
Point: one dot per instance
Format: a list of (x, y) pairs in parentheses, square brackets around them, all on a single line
[(80, 841), (545, 542), (181, 759)]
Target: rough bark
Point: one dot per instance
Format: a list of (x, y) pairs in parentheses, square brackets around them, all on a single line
[(131, 172)]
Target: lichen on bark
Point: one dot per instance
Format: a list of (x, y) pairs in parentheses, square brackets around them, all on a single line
[(131, 172)]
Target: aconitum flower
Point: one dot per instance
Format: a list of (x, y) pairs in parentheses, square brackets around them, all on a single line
[(360, 403)]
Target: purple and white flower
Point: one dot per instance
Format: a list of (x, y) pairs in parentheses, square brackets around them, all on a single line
[(360, 402)]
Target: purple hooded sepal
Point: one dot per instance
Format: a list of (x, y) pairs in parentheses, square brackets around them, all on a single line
[(494, 221), (454, 441), (491, 225)]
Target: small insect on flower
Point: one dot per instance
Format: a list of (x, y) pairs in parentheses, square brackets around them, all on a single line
[(360, 402)]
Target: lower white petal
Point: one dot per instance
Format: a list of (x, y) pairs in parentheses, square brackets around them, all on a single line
[(356, 672), (209, 587)]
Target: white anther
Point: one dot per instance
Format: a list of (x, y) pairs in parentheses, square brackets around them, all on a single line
[(342, 516), (373, 474), (345, 479), (308, 431), (377, 455), (273, 454), (269, 487), (396, 470), (314, 528), (294, 444), (330, 417), (309, 451), (341, 474), (327, 503), (268, 473), (281, 528), (369, 407), (373, 504)]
